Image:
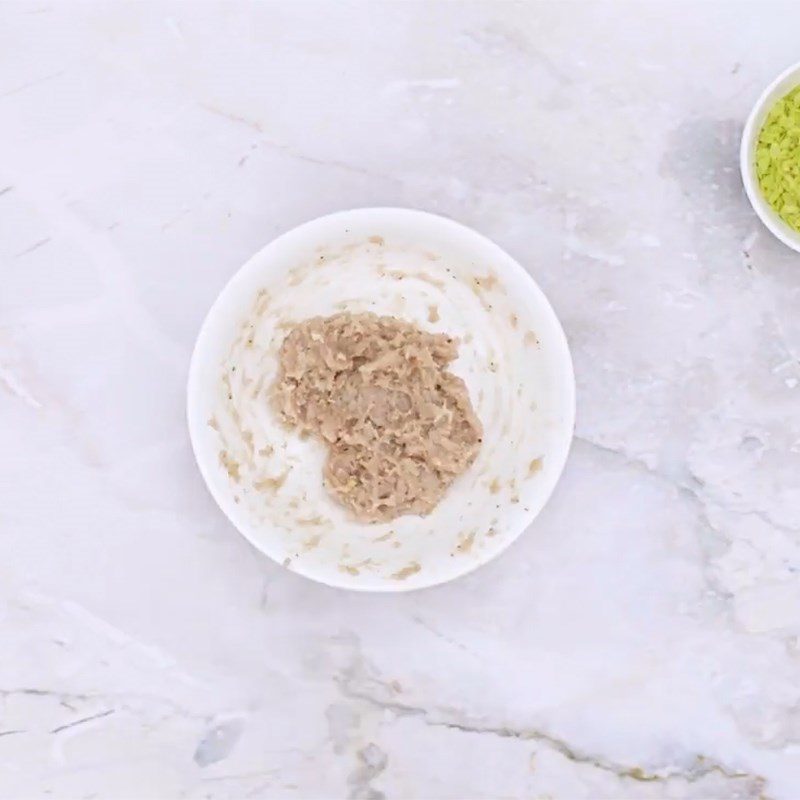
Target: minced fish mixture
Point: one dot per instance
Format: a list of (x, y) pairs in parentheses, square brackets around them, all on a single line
[(398, 425)]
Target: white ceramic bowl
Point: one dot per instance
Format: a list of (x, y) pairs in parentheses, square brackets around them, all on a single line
[(443, 277), (781, 86)]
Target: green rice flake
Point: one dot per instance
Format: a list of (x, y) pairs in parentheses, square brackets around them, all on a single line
[(777, 158)]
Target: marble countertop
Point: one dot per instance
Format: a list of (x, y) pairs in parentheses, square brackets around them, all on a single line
[(639, 641)]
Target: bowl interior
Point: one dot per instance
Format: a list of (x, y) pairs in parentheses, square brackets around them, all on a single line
[(443, 277), (781, 86)]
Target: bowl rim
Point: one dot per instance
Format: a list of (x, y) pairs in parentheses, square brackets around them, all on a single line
[(752, 127), (193, 415)]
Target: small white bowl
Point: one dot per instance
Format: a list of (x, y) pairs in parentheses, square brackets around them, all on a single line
[(442, 276), (781, 86)]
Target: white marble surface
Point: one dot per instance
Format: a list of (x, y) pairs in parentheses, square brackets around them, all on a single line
[(639, 641)]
